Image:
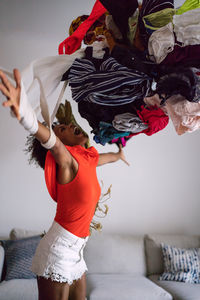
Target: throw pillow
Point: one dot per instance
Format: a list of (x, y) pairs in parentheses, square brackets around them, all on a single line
[(18, 257), (18, 233), (180, 264)]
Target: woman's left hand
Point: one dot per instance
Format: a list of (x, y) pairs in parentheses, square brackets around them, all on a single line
[(105, 158), (121, 155)]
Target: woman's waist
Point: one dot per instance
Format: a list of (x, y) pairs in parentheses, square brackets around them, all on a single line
[(57, 230)]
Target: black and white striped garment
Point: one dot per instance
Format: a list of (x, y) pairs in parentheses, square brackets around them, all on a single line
[(113, 84)]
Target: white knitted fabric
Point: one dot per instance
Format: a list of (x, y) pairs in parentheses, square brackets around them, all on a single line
[(187, 27), (161, 42)]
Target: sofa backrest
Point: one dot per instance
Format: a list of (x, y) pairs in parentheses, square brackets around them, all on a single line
[(153, 251), (115, 253)]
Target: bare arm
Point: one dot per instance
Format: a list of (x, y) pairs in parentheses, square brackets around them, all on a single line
[(62, 156), (110, 157)]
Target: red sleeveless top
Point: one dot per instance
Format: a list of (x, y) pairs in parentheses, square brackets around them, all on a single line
[(76, 200)]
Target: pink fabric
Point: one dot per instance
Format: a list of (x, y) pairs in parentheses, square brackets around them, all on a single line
[(153, 100), (184, 114), (122, 140), (73, 42)]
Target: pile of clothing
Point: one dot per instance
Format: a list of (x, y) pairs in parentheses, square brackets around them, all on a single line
[(149, 71)]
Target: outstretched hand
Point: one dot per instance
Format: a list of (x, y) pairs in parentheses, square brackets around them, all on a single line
[(105, 158), (11, 92), (121, 155)]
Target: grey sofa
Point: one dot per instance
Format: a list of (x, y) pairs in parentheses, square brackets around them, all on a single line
[(124, 267)]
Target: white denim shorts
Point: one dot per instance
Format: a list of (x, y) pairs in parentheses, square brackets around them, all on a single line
[(59, 255)]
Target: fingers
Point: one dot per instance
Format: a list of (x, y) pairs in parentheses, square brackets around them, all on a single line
[(11, 92), (4, 90), (13, 107), (17, 77), (5, 80), (120, 147), (7, 103), (124, 160), (122, 155)]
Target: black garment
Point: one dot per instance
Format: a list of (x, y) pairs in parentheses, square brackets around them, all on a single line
[(149, 7), (96, 61), (95, 113), (192, 63), (133, 59), (121, 10), (188, 56), (177, 81), (65, 75)]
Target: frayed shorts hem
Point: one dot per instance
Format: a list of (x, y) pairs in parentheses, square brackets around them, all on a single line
[(62, 279)]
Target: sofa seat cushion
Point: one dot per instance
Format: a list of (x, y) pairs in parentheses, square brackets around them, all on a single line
[(179, 290), (123, 286), (19, 289)]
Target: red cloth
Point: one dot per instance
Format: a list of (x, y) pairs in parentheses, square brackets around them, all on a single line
[(50, 175), (76, 200), (73, 42), (154, 117)]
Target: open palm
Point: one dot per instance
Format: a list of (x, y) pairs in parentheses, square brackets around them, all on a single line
[(11, 92)]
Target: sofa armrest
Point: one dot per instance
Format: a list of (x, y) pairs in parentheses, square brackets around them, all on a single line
[(2, 255)]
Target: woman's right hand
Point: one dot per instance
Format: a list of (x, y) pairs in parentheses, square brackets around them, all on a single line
[(11, 92)]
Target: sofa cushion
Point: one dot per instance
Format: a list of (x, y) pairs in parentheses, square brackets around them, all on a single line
[(179, 290), (19, 289), (18, 233), (2, 255), (180, 264), (153, 249), (18, 257), (115, 253), (123, 286)]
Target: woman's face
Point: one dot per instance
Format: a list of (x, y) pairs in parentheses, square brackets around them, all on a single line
[(70, 135)]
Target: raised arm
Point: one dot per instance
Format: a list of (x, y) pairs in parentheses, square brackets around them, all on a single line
[(12, 93), (105, 158)]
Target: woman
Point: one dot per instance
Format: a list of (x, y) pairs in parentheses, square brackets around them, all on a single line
[(58, 262)]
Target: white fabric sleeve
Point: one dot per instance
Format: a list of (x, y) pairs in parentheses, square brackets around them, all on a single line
[(48, 73), (28, 116)]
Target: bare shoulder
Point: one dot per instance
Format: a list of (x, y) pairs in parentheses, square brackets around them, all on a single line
[(61, 155)]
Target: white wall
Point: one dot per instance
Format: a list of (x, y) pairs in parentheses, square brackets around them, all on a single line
[(159, 192)]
